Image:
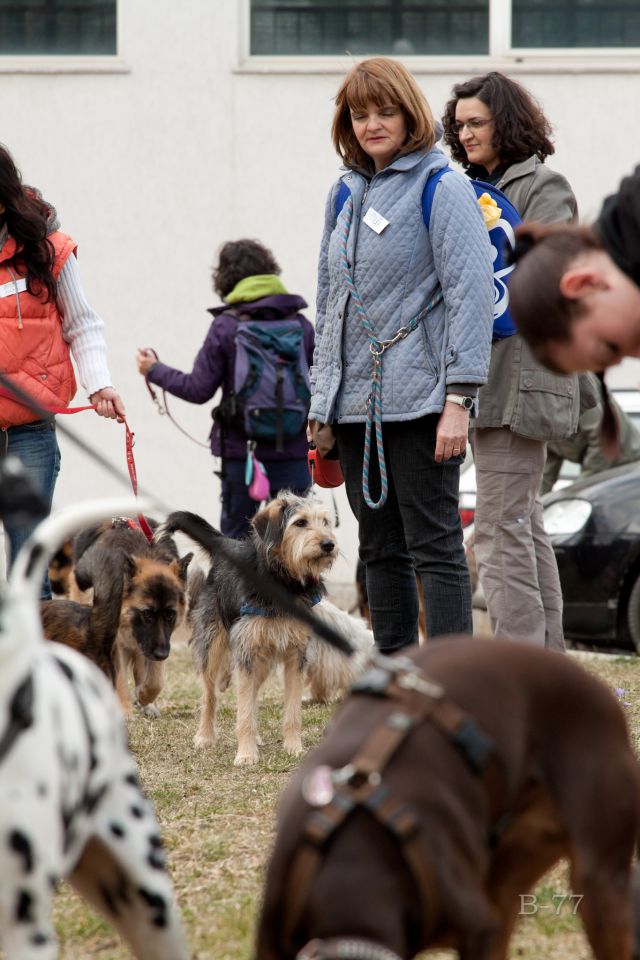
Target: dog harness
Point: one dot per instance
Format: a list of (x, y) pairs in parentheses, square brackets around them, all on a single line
[(254, 610), (334, 794), (349, 948)]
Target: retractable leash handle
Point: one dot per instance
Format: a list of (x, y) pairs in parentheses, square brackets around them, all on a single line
[(324, 473)]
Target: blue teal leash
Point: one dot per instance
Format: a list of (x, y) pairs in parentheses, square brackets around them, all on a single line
[(377, 348)]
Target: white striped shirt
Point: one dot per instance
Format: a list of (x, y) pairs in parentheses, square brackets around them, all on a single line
[(82, 329)]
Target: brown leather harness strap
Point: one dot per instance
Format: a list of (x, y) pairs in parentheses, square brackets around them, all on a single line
[(414, 699)]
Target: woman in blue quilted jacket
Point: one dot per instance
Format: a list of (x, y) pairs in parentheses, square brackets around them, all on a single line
[(403, 335)]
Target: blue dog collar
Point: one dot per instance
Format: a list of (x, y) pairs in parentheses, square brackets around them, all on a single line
[(253, 610)]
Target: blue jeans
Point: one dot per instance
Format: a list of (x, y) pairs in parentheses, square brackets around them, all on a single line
[(418, 530), (238, 507), (36, 446)]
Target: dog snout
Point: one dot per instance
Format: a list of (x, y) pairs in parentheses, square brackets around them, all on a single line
[(159, 653), (327, 546)]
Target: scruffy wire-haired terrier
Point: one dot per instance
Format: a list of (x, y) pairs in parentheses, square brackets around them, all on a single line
[(238, 630)]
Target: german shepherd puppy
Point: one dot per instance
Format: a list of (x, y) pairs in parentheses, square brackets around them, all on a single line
[(138, 601)]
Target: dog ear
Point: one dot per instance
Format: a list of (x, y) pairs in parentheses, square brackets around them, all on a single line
[(180, 566), (130, 567), (269, 523)]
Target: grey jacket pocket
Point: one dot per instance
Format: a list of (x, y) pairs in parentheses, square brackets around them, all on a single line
[(547, 406)]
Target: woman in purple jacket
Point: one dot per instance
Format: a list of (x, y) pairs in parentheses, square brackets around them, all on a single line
[(247, 279)]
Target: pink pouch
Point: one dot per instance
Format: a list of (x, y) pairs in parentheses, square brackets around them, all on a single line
[(259, 486)]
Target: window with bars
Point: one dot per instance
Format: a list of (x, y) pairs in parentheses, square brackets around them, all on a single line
[(576, 23), (57, 27), (435, 27), (369, 26)]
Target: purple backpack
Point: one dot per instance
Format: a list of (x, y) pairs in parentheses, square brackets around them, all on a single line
[(271, 390)]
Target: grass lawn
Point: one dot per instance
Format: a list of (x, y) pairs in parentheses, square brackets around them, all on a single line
[(217, 821)]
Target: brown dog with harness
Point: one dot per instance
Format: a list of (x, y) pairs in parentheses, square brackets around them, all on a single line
[(449, 782)]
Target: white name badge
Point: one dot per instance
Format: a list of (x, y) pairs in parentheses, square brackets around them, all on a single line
[(375, 220), (10, 289)]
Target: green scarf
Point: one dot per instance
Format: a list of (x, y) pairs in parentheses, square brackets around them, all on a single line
[(255, 288)]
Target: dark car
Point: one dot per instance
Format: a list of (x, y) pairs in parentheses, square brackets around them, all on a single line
[(594, 526)]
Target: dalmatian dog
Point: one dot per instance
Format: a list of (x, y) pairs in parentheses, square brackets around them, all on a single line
[(71, 805)]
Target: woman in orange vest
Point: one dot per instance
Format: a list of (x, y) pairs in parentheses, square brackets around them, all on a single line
[(43, 315)]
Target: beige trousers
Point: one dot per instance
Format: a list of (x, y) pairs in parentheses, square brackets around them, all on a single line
[(516, 563)]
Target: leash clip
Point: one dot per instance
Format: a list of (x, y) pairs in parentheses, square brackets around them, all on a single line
[(349, 774), (154, 397), (378, 347)]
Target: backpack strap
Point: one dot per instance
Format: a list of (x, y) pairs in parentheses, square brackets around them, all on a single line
[(429, 192), (343, 195)]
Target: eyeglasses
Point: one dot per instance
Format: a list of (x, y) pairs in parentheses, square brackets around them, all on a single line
[(476, 123)]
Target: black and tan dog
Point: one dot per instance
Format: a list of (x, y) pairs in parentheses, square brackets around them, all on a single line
[(448, 784), (139, 599), (239, 629), (85, 627)]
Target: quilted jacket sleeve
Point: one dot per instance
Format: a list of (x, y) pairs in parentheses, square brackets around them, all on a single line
[(462, 256), (323, 269)]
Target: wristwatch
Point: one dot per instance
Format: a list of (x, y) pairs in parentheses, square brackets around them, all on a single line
[(466, 402)]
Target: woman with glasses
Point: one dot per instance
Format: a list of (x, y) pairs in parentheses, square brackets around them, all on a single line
[(499, 134)]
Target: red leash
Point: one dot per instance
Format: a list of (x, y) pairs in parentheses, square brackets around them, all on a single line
[(129, 444)]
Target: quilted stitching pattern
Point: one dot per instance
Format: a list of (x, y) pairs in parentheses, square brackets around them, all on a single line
[(396, 273)]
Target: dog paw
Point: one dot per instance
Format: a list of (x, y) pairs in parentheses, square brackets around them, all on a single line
[(150, 710), (203, 740), (293, 746)]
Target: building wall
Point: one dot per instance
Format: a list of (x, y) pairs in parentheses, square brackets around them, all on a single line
[(152, 166)]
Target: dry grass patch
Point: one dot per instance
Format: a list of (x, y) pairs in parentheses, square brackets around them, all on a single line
[(217, 821)]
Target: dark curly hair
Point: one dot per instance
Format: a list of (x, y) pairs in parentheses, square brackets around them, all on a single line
[(26, 216), (239, 259), (520, 128)]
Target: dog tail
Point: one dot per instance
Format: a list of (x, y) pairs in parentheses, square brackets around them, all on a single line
[(194, 527)]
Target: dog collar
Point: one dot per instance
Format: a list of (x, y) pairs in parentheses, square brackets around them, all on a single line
[(254, 610), (350, 948)]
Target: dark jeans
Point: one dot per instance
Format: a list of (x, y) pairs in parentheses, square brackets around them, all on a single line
[(36, 446), (417, 530), (238, 507)]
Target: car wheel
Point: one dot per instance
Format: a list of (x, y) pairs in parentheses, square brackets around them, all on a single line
[(633, 614)]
